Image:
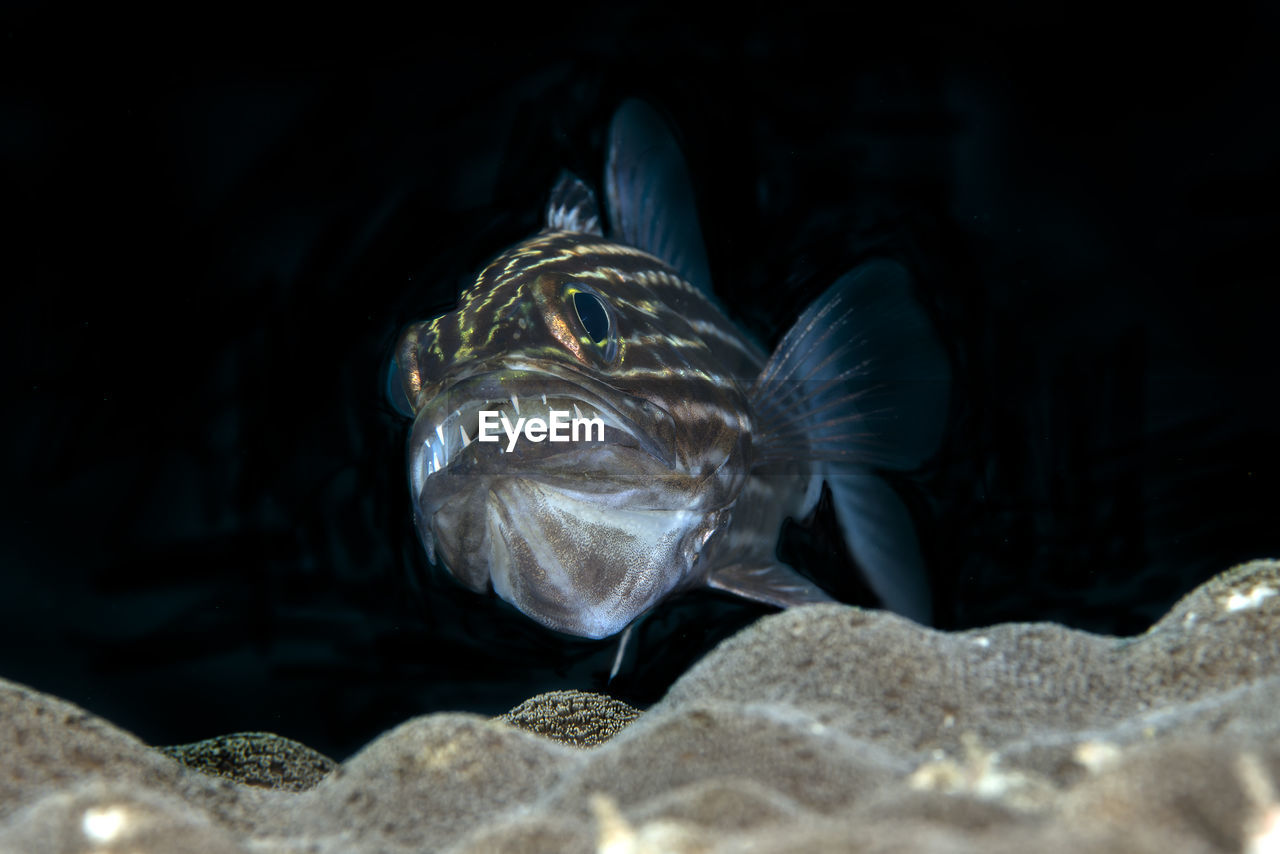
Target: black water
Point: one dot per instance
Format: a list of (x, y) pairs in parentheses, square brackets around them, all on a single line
[(214, 234)]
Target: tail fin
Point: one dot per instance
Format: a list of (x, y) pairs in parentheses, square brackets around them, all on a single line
[(860, 382)]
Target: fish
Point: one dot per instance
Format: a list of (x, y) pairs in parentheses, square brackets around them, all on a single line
[(698, 444)]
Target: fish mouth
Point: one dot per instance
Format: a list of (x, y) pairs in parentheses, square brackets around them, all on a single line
[(637, 439), (447, 428)]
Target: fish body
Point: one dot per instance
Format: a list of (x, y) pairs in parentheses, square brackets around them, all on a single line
[(707, 444)]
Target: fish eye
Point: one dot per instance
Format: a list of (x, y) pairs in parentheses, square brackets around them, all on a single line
[(592, 314), (596, 331)]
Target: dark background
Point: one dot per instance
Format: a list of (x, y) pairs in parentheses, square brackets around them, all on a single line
[(216, 226)]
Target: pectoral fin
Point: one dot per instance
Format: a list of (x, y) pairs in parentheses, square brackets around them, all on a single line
[(773, 584), (860, 380), (861, 383)]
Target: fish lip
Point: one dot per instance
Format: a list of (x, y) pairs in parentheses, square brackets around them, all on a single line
[(435, 443)]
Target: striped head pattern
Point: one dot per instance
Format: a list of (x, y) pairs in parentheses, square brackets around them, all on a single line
[(585, 535)]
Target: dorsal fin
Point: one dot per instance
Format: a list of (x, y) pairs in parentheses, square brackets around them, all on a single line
[(649, 196), (572, 207)]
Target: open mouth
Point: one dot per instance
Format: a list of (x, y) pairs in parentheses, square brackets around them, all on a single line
[(449, 427)]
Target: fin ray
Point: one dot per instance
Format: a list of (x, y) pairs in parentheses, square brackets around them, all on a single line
[(866, 333), (882, 539), (773, 584), (860, 382), (650, 198), (573, 207)]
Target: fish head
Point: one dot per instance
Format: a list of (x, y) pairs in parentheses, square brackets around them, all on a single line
[(582, 535)]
